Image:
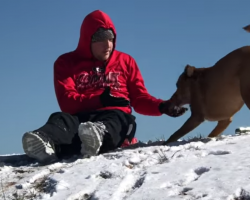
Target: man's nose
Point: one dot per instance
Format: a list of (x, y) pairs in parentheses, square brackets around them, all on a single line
[(107, 43)]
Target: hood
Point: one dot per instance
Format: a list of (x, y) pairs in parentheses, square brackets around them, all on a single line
[(90, 25)]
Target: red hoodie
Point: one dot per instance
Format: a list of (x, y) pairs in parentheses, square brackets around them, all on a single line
[(78, 86)]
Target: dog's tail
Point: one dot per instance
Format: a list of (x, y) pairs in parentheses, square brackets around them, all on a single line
[(247, 28)]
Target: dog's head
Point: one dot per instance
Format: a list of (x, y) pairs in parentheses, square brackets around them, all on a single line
[(184, 85)]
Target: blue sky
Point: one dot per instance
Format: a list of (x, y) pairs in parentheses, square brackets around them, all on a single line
[(163, 36)]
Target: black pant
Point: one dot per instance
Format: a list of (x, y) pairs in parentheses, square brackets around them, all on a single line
[(62, 129)]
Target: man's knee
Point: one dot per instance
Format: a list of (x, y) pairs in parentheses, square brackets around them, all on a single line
[(60, 127), (64, 121)]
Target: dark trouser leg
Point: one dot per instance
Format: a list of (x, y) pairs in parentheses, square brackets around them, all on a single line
[(119, 126), (62, 129)]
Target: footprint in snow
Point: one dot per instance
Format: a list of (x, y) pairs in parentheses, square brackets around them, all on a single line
[(201, 170), (240, 194), (185, 190), (106, 174), (219, 152), (128, 185), (193, 175), (60, 171), (112, 156)]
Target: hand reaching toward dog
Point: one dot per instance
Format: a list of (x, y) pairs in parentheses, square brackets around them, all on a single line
[(167, 107)]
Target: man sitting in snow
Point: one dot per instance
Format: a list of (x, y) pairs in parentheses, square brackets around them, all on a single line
[(95, 86)]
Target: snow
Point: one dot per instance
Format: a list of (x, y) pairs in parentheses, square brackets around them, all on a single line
[(217, 169)]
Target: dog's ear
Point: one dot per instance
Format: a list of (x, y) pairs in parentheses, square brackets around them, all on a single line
[(189, 70), (247, 28), (193, 72)]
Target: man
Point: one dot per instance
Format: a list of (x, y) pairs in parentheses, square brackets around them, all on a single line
[(95, 86)]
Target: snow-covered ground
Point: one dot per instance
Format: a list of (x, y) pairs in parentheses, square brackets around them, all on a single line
[(218, 169)]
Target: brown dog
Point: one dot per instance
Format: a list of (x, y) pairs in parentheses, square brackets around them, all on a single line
[(215, 93)]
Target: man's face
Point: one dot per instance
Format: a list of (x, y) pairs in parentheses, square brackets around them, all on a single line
[(101, 50)]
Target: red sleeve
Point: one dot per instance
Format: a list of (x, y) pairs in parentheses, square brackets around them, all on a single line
[(68, 98), (141, 100)]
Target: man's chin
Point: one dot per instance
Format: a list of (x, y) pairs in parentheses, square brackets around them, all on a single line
[(105, 57)]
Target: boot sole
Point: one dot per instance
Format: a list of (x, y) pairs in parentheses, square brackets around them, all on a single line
[(36, 148), (91, 141)]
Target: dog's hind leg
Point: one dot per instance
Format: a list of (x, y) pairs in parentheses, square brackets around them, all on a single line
[(245, 88), (245, 82), (220, 127)]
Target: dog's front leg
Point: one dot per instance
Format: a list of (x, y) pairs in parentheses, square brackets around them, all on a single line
[(192, 122)]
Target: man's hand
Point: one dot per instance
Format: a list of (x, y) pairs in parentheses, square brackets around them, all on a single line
[(108, 100), (166, 107)]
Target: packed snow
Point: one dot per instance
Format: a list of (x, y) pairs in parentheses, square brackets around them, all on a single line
[(217, 169)]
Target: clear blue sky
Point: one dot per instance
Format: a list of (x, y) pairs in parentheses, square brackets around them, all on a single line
[(163, 36)]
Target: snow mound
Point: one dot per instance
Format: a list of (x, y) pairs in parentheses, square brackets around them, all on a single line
[(208, 169)]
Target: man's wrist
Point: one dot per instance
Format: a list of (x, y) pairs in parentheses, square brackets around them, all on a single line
[(161, 106)]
